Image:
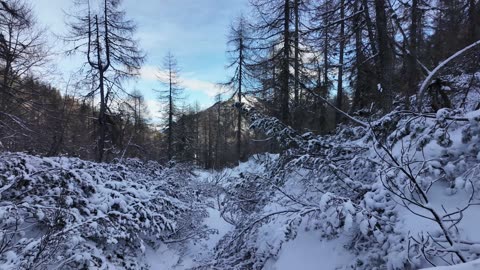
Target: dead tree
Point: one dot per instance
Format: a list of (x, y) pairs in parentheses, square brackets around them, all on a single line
[(239, 43), (106, 40), (273, 42), (22, 50), (169, 97)]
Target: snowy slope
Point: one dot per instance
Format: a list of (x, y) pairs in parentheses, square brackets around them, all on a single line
[(309, 251), (402, 194), (399, 195), (473, 265), (194, 253), (66, 213)]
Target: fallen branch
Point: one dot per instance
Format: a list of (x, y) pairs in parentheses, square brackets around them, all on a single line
[(426, 82)]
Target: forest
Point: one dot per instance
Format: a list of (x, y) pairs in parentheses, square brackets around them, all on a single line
[(346, 135)]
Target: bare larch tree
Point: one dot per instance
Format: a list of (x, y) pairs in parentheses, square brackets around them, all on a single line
[(169, 97), (105, 37)]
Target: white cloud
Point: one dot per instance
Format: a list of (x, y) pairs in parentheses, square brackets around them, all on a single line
[(208, 88), (154, 108), (149, 73)]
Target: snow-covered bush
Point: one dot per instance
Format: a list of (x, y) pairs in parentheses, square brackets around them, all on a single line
[(401, 189), (65, 213)]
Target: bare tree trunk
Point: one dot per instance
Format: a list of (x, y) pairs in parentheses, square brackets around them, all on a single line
[(210, 142), (276, 97), (325, 61), (385, 55), (357, 95), (5, 85), (170, 115), (369, 24), (412, 73), (472, 23), (286, 65), (297, 52), (7, 71), (218, 135), (102, 114), (206, 141), (373, 45), (197, 149), (239, 117), (340, 62)]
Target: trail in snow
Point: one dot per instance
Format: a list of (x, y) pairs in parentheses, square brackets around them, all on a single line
[(173, 259), (193, 253), (309, 252)]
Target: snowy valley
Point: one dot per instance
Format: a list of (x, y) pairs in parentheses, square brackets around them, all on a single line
[(240, 135), (406, 198)]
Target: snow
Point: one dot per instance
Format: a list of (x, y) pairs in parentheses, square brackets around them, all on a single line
[(473, 116), (93, 208), (442, 114), (308, 251), (216, 222), (194, 253), (425, 83), (379, 88), (164, 258), (473, 265), (328, 202), (198, 252)]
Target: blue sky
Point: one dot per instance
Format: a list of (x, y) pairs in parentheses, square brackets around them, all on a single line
[(194, 30)]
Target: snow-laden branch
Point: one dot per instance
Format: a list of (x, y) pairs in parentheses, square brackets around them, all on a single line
[(426, 82), (272, 127)]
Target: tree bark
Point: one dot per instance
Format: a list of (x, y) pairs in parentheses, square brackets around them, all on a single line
[(385, 56), (369, 24), (239, 117), (472, 21), (340, 62), (170, 114), (412, 74), (325, 61), (102, 114), (297, 52), (286, 65), (357, 95)]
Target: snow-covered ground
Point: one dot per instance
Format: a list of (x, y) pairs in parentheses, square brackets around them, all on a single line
[(308, 251), (194, 253), (346, 203), (473, 265)]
